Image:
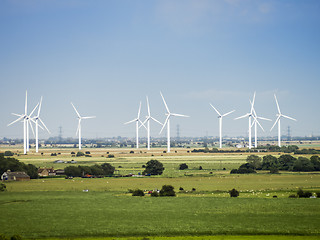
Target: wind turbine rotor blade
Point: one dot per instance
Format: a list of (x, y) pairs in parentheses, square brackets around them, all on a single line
[(259, 124), (179, 115), (18, 115), (289, 117), (88, 117), (275, 122), (156, 120), (145, 121), (165, 104), (246, 115), (75, 110), (277, 104), (31, 128), (44, 125), (134, 120), (39, 106), (16, 120), (139, 111), (215, 109), (252, 105), (26, 103), (142, 124), (33, 110), (78, 127), (262, 118), (228, 113), (165, 123), (148, 107)]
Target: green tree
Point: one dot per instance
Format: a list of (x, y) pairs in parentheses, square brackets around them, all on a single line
[(234, 193), (303, 165), (73, 171), (167, 191), (80, 154), (154, 167), (269, 162), (315, 160), (255, 161), (286, 162), (138, 192), (8, 153), (108, 169), (183, 166)]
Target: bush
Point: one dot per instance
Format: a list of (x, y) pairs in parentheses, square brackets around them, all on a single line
[(110, 156), (183, 166), (53, 154), (131, 151), (200, 168), (318, 194), (181, 189), (87, 152), (73, 153), (8, 153), (16, 237), (274, 170), (3, 187), (138, 192), (3, 237), (80, 154), (234, 193), (304, 194), (293, 196), (167, 191), (154, 194)]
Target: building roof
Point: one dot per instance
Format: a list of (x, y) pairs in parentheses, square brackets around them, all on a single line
[(17, 174)]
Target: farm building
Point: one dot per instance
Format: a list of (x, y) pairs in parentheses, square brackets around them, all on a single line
[(45, 172), (15, 176)]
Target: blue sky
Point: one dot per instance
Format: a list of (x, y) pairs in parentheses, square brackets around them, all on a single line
[(106, 56)]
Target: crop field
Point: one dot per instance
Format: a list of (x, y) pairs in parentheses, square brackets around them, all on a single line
[(59, 208)]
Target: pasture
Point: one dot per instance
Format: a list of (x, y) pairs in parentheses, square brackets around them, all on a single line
[(58, 207)]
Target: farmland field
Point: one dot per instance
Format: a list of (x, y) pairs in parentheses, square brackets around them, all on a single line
[(59, 208)]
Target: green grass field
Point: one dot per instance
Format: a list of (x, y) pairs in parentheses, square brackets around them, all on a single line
[(58, 208)]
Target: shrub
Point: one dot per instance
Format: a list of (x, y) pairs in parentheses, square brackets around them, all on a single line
[(183, 166), (274, 170), (154, 194), (200, 168), (193, 189), (73, 153), (318, 194), (110, 156), (181, 189), (304, 194), (87, 152), (3, 237), (80, 154), (138, 192), (16, 237), (130, 191), (3, 187), (131, 151), (234, 193), (53, 154), (293, 196), (167, 191), (8, 153)]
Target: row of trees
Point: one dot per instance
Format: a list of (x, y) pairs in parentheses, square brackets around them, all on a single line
[(284, 162), (7, 163), (104, 169)]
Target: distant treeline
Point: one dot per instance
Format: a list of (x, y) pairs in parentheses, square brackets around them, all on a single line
[(284, 162), (96, 170), (268, 148)]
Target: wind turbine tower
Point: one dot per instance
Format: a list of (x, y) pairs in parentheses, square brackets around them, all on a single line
[(79, 124), (279, 115), (148, 123), (220, 116), (167, 122), (137, 121)]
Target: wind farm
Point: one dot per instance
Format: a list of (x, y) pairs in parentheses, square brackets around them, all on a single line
[(159, 120)]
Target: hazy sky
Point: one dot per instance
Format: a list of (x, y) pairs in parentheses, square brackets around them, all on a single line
[(106, 56)]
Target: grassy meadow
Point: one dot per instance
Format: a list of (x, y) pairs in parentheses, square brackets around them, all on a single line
[(58, 208)]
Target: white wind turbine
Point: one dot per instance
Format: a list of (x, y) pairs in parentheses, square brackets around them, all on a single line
[(26, 121), (37, 118), (148, 123), (279, 115), (79, 124), (137, 121), (220, 122), (255, 123), (167, 122), (249, 115)]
